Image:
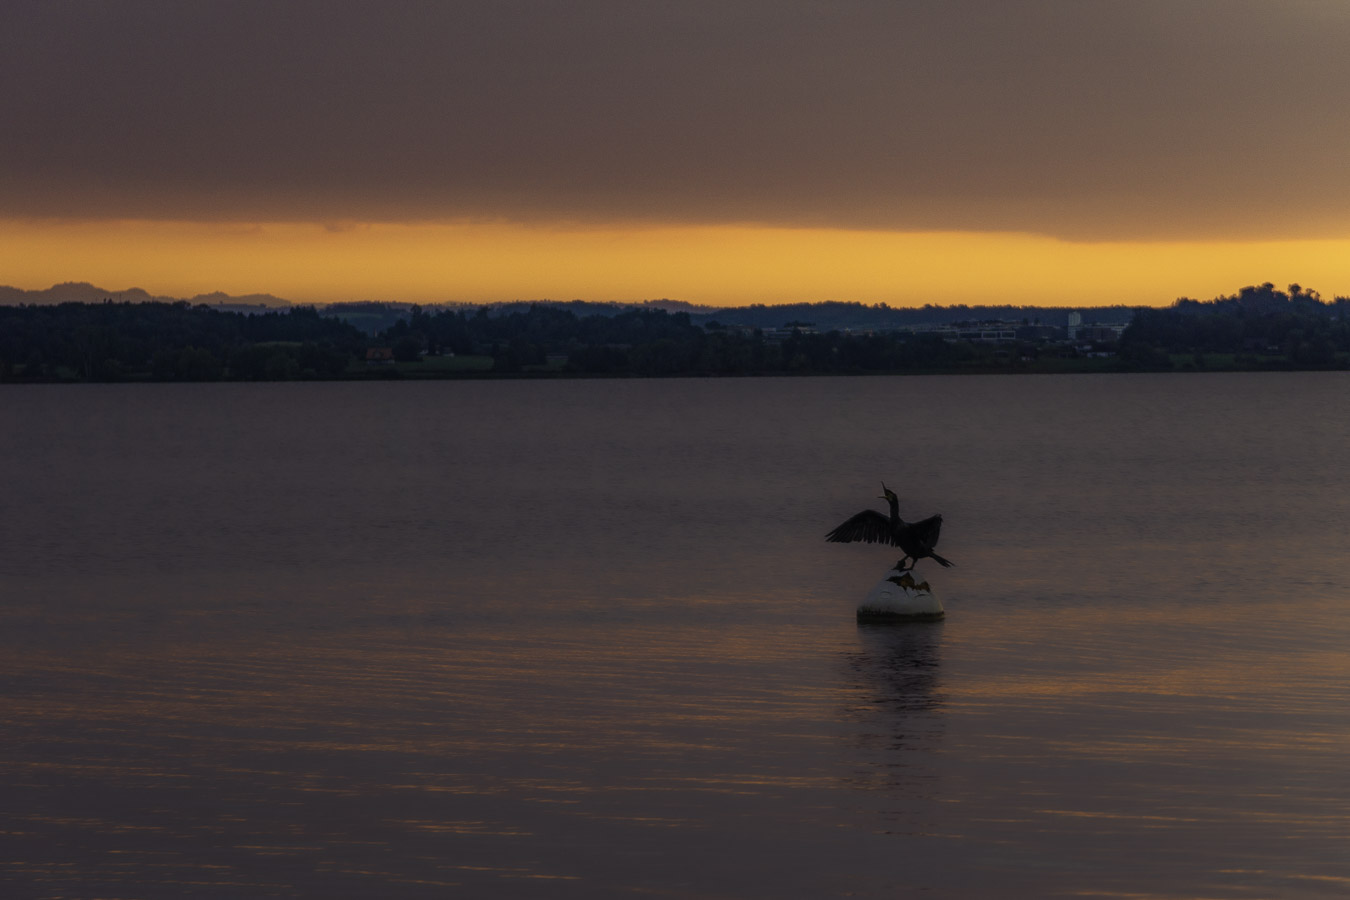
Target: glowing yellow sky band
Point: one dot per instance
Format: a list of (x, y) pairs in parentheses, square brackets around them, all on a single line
[(715, 265)]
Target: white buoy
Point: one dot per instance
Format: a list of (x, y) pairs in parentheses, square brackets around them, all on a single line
[(900, 598)]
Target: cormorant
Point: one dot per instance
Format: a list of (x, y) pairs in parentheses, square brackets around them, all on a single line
[(917, 539)]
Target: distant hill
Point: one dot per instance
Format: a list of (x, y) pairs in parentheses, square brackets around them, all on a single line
[(375, 316), (832, 315), (84, 292)]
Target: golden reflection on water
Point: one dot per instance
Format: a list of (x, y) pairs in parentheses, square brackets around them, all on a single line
[(383, 663), (442, 758), (508, 725)]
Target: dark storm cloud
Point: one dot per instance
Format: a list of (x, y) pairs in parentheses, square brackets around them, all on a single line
[(1137, 118)]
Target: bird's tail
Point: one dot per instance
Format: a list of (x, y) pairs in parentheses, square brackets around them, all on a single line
[(946, 564)]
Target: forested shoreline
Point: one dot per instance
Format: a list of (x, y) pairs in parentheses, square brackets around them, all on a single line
[(1257, 328)]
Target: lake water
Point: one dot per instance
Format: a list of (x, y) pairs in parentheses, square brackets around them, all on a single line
[(584, 638)]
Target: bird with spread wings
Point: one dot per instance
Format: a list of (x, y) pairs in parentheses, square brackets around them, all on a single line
[(917, 539)]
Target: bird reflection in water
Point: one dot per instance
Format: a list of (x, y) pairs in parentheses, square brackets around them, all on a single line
[(895, 700)]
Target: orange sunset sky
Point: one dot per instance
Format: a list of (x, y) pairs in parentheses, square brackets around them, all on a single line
[(1057, 153)]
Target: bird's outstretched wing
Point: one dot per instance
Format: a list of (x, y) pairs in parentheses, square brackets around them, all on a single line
[(868, 525), (927, 530)]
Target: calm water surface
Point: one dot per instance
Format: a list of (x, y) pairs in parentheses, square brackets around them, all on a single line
[(583, 638)]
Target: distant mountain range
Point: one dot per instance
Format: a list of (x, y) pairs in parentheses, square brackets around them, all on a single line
[(825, 316), (84, 292), (833, 315)]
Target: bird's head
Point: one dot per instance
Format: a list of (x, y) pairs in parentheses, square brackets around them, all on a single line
[(887, 494)]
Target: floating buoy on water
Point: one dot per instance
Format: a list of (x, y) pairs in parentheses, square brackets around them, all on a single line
[(899, 598)]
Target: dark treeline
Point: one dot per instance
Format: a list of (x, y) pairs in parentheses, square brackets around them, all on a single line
[(654, 342), (1261, 327), (178, 342), (170, 341), (375, 317), (838, 315)]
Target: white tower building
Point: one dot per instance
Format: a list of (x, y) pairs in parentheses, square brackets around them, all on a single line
[(1075, 319)]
